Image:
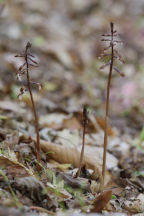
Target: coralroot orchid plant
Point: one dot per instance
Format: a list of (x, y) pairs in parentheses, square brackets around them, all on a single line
[(85, 121), (24, 70), (114, 55)]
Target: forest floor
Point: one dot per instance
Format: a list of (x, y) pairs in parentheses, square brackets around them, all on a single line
[(66, 40)]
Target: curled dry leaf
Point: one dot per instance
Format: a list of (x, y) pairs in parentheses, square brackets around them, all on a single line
[(71, 155), (64, 154)]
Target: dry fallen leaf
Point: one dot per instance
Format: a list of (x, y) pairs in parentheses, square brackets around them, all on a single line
[(71, 155), (72, 123), (101, 201), (60, 192), (101, 123), (30, 186), (13, 168), (9, 105), (53, 120), (135, 205)]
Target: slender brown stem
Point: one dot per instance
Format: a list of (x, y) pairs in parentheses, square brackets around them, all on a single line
[(83, 142), (107, 110), (33, 106)]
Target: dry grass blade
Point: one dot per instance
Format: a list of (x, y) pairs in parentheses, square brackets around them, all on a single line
[(40, 209)]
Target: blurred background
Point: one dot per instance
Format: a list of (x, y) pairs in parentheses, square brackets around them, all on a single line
[(66, 40)]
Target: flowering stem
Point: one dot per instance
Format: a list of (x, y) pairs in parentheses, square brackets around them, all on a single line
[(83, 143), (33, 105), (107, 110)]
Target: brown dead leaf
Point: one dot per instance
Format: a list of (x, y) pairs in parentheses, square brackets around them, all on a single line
[(12, 168), (76, 59), (54, 120), (53, 164), (135, 205), (70, 181), (11, 140), (32, 188), (95, 124), (72, 123), (71, 155), (91, 125), (101, 201), (60, 192), (116, 189), (27, 100), (101, 123), (9, 105)]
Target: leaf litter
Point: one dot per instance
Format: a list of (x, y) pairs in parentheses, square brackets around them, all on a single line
[(66, 42)]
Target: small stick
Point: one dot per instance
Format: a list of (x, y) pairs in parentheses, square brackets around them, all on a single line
[(37, 208), (85, 119)]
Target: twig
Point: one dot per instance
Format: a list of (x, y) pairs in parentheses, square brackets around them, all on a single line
[(37, 208)]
